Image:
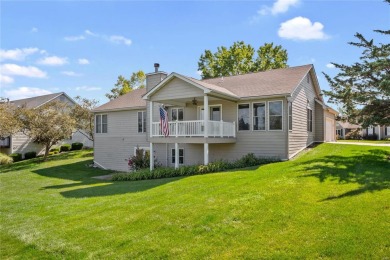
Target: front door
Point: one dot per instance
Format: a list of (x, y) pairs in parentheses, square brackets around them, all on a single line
[(215, 113)]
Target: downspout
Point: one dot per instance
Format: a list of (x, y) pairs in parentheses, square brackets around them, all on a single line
[(288, 100)]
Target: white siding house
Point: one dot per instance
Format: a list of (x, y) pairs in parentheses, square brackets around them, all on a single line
[(275, 113)]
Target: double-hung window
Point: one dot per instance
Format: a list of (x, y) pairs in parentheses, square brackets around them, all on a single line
[(181, 156), (258, 116), (101, 124), (142, 122), (243, 117), (309, 120), (177, 114), (275, 114)]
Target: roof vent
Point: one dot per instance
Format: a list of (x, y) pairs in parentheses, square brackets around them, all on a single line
[(156, 66)]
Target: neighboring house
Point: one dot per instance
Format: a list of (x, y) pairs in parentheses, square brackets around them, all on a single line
[(20, 143), (376, 132), (276, 113), (343, 128)]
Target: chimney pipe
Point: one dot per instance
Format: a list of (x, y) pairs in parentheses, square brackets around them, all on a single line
[(156, 66)]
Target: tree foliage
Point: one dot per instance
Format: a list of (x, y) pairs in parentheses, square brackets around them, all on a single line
[(83, 115), (240, 59), (123, 85), (362, 89), (48, 123), (9, 119)]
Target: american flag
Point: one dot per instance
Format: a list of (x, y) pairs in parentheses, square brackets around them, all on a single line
[(164, 122)]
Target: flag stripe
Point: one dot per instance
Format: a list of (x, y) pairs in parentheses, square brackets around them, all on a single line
[(164, 122)]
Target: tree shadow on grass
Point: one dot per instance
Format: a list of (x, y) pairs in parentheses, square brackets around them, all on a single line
[(370, 169), (84, 185)]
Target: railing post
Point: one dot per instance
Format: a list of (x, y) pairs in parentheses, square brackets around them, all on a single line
[(221, 128), (177, 128)]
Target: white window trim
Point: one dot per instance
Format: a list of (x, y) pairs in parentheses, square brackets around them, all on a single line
[(176, 108), (269, 121), (253, 117), (173, 149), (101, 123), (250, 116), (145, 148), (143, 113), (288, 116), (213, 105)]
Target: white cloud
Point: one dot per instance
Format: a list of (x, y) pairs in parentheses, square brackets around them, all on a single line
[(83, 61), (119, 39), (34, 30), (301, 28), (26, 71), (17, 54), (88, 32), (199, 72), (87, 88), (330, 66), (6, 79), (53, 61), (74, 38), (25, 92), (280, 6), (71, 73)]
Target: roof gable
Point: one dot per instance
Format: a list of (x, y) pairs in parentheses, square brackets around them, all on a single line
[(38, 101)]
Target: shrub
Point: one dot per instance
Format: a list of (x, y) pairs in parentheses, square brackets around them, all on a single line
[(353, 135), (16, 157), (141, 160), (76, 146), (370, 137), (30, 155), (54, 150), (65, 148), (5, 159), (168, 172)]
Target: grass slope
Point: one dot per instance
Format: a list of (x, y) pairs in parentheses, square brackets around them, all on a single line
[(330, 202)]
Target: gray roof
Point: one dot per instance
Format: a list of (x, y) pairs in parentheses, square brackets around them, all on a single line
[(130, 100), (34, 102), (264, 83), (348, 125)]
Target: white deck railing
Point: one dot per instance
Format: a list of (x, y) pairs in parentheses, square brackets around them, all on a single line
[(196, 128)]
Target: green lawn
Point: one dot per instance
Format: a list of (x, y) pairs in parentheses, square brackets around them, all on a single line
[(366, 141), (332, 202)]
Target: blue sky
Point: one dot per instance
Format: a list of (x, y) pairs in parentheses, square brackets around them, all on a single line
[(80, 47)]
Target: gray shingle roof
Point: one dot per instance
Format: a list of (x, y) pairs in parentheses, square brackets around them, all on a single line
[(130, 100), (265, 83), (34, 102)]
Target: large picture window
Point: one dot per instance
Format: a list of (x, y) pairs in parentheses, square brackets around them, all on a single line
[(181, 156), (309, 120), (275, 114), (142, 122), (243, 117), (101, 124), (177, 114), (258, 116)]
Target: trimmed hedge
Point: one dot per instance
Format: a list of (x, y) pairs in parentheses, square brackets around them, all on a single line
[(16, 157), (30, 155), (169, 172), (5, 159), (65, 148), (77, 146)]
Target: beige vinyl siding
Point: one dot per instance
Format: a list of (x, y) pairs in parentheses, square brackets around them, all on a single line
[(176, 89), (319, 123), (21, 143), (112, 149), (299, 137)]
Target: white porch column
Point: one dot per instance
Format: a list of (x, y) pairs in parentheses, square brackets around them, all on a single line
[(176, 155), (151, 154), (343, 130), (150, 119), (206, 153), (206, 115), (379, 132)]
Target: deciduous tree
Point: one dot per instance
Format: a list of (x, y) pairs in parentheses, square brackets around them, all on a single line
[(123, 85), (240, 59), (83, 115), (9, 119)]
